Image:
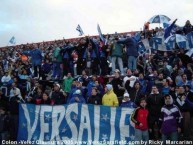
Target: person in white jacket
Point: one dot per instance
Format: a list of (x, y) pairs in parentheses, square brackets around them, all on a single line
[(15, 92), (6, 78)]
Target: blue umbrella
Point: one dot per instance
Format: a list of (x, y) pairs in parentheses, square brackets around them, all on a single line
[(176, 38), (159, 19)]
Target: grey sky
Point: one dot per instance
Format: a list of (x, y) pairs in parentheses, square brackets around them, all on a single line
[(44, 20)]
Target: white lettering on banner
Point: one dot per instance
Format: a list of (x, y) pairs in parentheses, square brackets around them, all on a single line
[(124, 132), (72, 125), (30, 129), (44, 127), (85, 123), (112, 122), (96, 122), (56, 122)]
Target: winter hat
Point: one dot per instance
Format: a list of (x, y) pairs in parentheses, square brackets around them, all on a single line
[(117, 71), (109, 87), (126, 95), (58, 85), (77, 92)]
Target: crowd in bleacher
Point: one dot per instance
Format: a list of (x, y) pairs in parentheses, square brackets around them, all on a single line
[(88, 70)]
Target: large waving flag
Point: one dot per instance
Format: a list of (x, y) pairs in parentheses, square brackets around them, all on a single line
[(12, 40), (79, 29), (158, 43), (100, 33), (180, 40)]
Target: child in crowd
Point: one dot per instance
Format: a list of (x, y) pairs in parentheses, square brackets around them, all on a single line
[(140, 118)]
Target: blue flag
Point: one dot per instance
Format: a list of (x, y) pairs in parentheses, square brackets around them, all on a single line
[(137, 37), (12, 40), (100, 33), (170, 45), (157, 41), (141, 48), (79, 29), (75, 124)]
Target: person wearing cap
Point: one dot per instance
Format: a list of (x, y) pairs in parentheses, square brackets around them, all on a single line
[(110, 98), (58, 97), (77, 97), (116, 53), (126, 102), (170, 120), (77, 85)]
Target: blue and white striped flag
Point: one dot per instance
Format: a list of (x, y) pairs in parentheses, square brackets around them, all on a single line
[(79, 29), (12, 40), (100, 33)]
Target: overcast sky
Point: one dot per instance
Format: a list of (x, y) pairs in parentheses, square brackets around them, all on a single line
[(45, 20)]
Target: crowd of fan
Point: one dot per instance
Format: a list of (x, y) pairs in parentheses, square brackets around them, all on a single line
[(88, 70)]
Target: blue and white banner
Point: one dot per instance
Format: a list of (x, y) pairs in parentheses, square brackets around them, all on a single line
[(75, 124)]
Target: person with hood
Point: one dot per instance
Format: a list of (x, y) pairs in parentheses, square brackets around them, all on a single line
[(170, 120), (126, 102), (110, 98), (77, 97), (140, 118), (187, 27)]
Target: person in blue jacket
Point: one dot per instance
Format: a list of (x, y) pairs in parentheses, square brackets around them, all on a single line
[(36, 59), (77, 97), (126, 102), (132, 51)]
